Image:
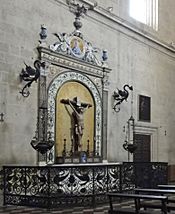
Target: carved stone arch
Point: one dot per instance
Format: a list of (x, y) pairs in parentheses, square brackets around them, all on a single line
[(54, 87)]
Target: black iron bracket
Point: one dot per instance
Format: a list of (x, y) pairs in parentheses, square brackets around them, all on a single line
[(121, 95), (30, 75)]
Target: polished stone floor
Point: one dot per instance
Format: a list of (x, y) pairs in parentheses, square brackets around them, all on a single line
[(29, 210), (128, 205), (77, 210)]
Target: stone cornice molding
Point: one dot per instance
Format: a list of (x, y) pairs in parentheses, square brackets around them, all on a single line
[(152, 41), (72, 63), (128, 29), (167, 48)]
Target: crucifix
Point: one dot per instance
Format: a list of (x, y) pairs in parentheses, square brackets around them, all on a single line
[(79, 109)]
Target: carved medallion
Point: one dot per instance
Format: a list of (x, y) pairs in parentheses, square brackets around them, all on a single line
[(77, 47)]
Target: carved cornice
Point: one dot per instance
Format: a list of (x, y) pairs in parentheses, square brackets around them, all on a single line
[(69, 62)]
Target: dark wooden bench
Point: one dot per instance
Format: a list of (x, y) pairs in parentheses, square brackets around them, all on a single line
[(157, 192), (166, 186), (137, 198)]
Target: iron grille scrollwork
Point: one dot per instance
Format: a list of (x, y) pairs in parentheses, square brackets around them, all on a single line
[(1, 179), (56, 186)]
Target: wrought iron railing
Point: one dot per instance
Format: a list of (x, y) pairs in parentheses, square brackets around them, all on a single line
[(143, 174), (76, 185), (1, 179)]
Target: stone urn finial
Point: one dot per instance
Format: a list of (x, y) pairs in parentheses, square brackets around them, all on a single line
[(79, 11)]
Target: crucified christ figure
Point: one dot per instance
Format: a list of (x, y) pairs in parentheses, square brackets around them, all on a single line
[(78, 119)]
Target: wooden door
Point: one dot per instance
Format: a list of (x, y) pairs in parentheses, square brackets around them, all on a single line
[(142, 153)]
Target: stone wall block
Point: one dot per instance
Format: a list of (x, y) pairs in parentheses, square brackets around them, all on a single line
[(14, 49), (4, 47), (2, 57), (2, 36), (7, 28)]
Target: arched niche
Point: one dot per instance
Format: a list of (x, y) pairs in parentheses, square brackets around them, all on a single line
[(70, 84)]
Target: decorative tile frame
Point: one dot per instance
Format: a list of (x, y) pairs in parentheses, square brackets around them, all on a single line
[(52, 91)]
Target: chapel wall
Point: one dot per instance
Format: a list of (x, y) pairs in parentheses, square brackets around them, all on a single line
[(135, 60)]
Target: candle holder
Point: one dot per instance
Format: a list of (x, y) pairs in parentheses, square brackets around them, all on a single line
[(129, 147), (64, 149), (87, 152), (1, 117), (42, 146)]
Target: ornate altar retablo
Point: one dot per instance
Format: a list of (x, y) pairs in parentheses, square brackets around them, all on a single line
[(73, 90)]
